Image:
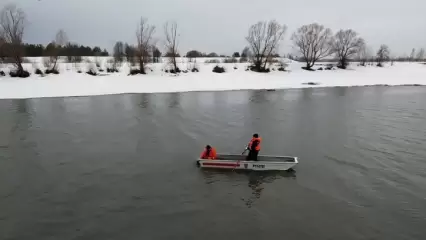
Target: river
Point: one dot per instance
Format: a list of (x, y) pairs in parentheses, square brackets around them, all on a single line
[(123, 166)]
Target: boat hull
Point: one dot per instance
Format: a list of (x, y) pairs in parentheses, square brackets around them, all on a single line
[(264, 163)]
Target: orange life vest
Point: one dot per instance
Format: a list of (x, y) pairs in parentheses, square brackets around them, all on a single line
[(256, 143), (209, 155)]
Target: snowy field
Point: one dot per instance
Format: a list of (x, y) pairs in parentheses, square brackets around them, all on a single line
[(71, 83)]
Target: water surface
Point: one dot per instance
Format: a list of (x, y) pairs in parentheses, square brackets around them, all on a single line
[(122, 166)]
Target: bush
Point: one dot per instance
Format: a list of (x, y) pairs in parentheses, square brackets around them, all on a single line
[(2, 74), (38, 72), (112, 70), (101, 70), (175, 71), (21, 74), (235, 68), (91, 72), (135, 72), (243, 60), (185, 71), (261, 69), (212, 61), (308, 69), (218, 69), (230, 60), (194, 70), (281, 69), (51, 71), (320, 69), (79, 71)]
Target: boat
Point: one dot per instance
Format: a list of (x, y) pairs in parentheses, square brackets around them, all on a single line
[(237, 162)]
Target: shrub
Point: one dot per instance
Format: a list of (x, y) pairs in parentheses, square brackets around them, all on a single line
[(175, 71), (212, 61), (230, 60), (308, 69), (243, 60), (38, 72), (79, 71), (194, 69), (261, 69), (218, 69), (2, 73), (112, 70), (91, 72), (51, 71), (136, 71), (21, 74)]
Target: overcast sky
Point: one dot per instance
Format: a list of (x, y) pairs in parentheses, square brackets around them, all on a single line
[(221, 25)]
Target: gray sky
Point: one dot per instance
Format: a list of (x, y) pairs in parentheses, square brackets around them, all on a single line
[(221, 25)]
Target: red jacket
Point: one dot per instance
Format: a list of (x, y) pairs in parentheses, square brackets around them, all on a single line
[(254, 144), (210, 155)]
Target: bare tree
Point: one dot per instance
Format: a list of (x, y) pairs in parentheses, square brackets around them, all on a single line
[(12, 25), (364, 55), (413, 54), (264, 38), (313, 42), (61, 40), (118, 52), (144, 35), (382, 55), (420, 55), (345, 45), (172, 43)]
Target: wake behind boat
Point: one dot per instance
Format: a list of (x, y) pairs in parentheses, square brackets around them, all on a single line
[(263, 163)]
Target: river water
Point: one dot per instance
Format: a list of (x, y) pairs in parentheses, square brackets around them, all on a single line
[(123, 166)]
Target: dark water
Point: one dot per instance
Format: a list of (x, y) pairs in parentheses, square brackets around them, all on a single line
[(122, 167)]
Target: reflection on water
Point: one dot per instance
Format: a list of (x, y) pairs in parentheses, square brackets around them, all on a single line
[(257, 181)]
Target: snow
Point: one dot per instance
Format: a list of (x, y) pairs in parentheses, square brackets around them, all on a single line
[(71, 83)]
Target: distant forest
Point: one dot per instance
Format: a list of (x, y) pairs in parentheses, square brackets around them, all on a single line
[(39, 50)]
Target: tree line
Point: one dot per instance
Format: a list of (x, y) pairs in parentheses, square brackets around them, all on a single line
[(70, 49), (313, 43)]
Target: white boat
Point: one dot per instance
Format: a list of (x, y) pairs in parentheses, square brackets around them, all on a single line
[(263, 163)]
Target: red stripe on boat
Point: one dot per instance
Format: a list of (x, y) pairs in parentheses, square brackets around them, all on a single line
[(221, 164)]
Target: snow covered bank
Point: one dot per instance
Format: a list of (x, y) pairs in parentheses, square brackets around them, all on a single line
[(71, 83)]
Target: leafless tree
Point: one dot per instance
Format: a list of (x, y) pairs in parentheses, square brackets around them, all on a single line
[(118, 52), (364, 55), (345, 45), (264, 38), (172, 43), (144, 35), (12, 25), (382, 55), (61, 40), (313, 42), (413, 54), (420, 55)]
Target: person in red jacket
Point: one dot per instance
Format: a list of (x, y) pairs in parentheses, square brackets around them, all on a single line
[(208, 153), (254, 147)]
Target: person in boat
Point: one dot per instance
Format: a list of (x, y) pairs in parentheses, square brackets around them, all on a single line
[(208, 153), (254, 147)]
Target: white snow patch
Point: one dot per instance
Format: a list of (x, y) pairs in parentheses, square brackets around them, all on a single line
[(71, 83)]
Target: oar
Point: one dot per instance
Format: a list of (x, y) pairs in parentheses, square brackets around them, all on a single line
[(238, 162)]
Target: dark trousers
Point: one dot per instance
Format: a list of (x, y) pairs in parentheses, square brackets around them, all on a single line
[(252, 155)]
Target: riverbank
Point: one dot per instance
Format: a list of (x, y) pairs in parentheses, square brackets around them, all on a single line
[(71, 83)]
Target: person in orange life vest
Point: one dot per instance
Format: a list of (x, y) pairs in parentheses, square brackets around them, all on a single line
[(254, 147), (208, 153)]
